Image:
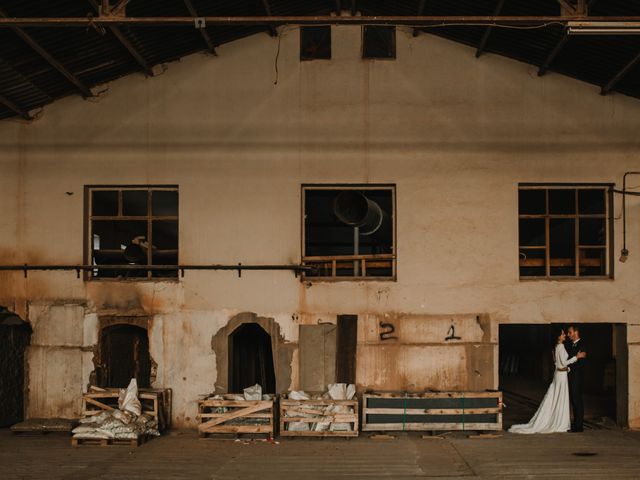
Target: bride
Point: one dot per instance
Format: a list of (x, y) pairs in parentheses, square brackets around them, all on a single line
[(553, 413)]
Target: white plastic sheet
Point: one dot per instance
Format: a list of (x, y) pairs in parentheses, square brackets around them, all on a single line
[(253, 393), (128, 401), (341, 391)]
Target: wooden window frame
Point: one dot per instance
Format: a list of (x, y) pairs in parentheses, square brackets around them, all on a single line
[(607, 216), (395, 43), (149, 218), (309, 260), (304, 29)]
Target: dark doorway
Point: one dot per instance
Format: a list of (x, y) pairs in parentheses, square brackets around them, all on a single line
[(251, 359), (14, 339), (346, 344), (124, 351), (526, 370)]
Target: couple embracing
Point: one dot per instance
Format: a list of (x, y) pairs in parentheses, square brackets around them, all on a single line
[(553, 413)]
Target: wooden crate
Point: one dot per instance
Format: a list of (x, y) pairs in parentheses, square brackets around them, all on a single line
[(397, 411), (252, 414), (291, 410), (107, 442), (155, 402)]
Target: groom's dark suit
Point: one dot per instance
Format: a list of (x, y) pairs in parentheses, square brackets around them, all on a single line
[(576, 377)]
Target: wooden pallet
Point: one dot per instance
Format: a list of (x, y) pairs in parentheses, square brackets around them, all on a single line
[(214, 422), (109, 442), (42, 426), (294, 411), (396, 411), (155, 402)]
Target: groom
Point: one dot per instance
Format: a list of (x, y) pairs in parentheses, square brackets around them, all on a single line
[(576, 373)]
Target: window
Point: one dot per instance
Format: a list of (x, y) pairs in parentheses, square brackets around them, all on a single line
[(378, 42), (135, 225), (315, 43), (565, 231), (349, 231)]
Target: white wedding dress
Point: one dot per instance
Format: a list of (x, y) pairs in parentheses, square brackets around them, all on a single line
[(553, 413)]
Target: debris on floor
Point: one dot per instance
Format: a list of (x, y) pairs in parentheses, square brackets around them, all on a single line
[(125, 422), (44, 425), (326, 412), (481, 436), (379, 436)]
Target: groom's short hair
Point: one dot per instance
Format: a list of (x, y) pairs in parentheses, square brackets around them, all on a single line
[(575, 327)]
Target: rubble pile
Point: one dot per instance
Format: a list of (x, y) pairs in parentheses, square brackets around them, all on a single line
[(125, 422), (318, 422)]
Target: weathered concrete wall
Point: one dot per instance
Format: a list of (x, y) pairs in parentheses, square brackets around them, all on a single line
[(454, 134)]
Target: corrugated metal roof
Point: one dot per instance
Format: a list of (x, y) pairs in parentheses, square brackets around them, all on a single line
[(96, 57)]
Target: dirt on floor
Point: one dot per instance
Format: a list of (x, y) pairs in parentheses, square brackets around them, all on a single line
[(595, 454)]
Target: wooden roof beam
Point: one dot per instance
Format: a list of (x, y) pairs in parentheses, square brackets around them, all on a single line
[(487, 32), (205, 35), (26, 38), (610, 85), (15, 108)]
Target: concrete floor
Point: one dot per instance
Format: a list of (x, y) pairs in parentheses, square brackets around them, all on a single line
[(181, 455)]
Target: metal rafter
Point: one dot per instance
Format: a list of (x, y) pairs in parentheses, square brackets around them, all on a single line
[(275, 20), (125, 42), (6, 65), (267, 8), (205, 35), (487, 32), (610, 85), (15, 107), (48, 57), (559, 46), (421, 7)]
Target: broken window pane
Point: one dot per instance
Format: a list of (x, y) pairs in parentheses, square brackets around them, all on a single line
[(562, 201), (562, 246), (349, 222), (576, 218), (104, 203), (593, 262), (532, 232), (165, 234), (315, 43), (532, 202), (533, 262), (134, 203), (164, 203), (593, 231), (591, 201), (378, 42), (119, 241)]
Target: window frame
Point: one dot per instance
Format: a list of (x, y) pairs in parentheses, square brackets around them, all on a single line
[(305, 260), (88, 228), (301, 35), (394, 40), (609, 228)]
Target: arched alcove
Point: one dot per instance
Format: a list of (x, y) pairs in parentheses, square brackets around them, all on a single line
[(251, 359), (124, 354), (242, 329)]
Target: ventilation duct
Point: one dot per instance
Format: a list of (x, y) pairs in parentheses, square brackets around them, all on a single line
[(354, 209)]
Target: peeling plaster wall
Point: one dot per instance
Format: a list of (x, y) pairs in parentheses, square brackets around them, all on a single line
[(454, 134)]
